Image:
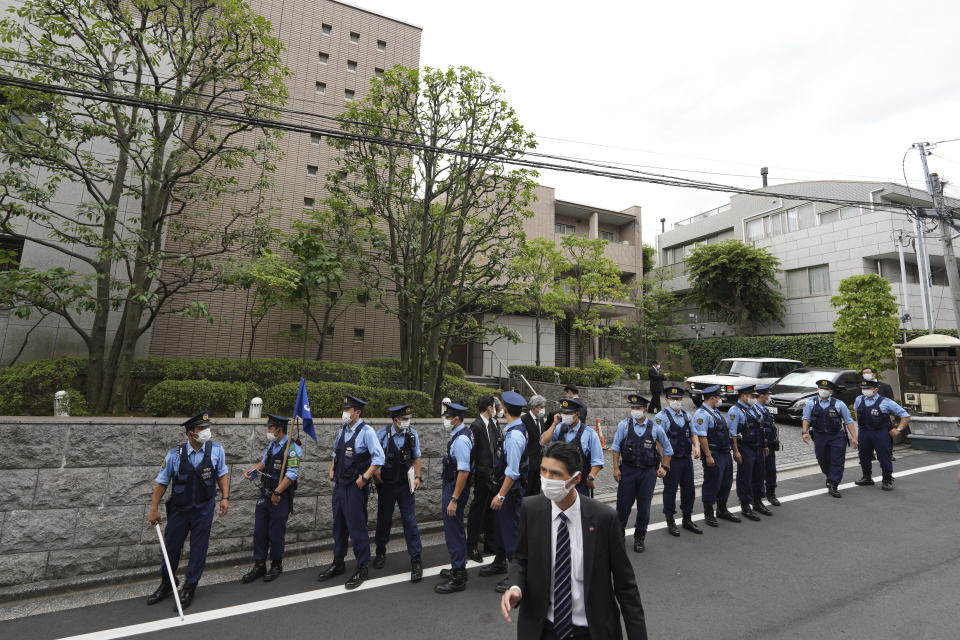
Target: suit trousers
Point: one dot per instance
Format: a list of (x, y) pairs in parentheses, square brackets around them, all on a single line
[(480, 516)]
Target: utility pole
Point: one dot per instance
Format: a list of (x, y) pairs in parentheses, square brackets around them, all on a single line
[(903, 240), (935, 189)]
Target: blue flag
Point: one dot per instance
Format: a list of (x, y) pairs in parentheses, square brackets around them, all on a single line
[(303, 411)]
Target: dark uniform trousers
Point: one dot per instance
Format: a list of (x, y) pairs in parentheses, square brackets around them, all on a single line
[(769, 472), (388, 495), (718, 479), (636, 485), (270, 528), (195, 521), (830, 449), (750, 472), (454, 532), (878, 440), (507, 522), (680, 475), (350, 519)]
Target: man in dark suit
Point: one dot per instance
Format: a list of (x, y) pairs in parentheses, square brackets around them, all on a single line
[(656, 387), (885, 391), (486, 441), (571, 578), (533, 422)]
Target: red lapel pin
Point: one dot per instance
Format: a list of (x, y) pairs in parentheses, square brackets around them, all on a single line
[(592, 529)]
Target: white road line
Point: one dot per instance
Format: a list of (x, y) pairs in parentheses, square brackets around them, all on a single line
[(374, 583)]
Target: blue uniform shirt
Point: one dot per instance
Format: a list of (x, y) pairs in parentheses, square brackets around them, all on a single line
[(366, 441), (171, 464), (461, 447), (514, 444), (703, 420), (663, 420), (825, 404), (735, 416), (293, 460), (398, 439), (589, 441), (638, 428), (887, 405)]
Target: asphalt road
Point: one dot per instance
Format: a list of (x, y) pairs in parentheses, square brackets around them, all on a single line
[(873, 564)]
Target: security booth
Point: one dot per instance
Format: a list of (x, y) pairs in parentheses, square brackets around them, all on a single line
[(928, 369)]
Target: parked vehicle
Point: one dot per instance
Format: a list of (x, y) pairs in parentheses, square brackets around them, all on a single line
[(731, 373), (790, 393)]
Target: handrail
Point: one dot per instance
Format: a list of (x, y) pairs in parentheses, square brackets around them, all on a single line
[(529, 386), (503, 366)]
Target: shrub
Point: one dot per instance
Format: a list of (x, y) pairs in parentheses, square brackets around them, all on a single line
[(326, 399), (605, 372), (456, 388), (187, 397), (384, 363), (812, 350), (600, 373), (27, 388)]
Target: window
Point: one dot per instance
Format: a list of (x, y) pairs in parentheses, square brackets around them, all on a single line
[(312, 169), (843, 213), (381, 45), (849, 212), (564, 229), (11, 252), (809, 281), (314, 138), (348, 94), (378, 73), (755, 229), (329, 330), (321, 88), (308, 203), (363, 298), (324, 58), (326, 29), (606, 235), (829, 216), (351, 66), (296, 329), (354, 38), (358, 334)]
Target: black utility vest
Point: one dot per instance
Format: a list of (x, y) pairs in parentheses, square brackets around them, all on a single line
[(639, 451), (826, 420), (500, 464), (449, 470), (194, 487), (679, 435), (349, 464), (398, 460)]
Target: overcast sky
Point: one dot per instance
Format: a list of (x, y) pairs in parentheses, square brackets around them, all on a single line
[(814, 90)]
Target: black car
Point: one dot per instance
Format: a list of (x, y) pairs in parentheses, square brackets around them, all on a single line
[(790, 393)]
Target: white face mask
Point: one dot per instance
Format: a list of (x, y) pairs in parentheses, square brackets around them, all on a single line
[(567, 418), (556, 490), (637, 414), (271, 437), (447, 424), (404, 424), (869, 376), (500, 413), (824, 393), (869, 393), (204, 435), (751, 402), (534, 414), (674, 404), (346, 416)]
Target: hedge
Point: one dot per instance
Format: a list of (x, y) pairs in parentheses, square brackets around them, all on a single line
[(453, 369), (326, 399), (187, 397), (599, 373), (27, 388), (815, 350), (458, 389)]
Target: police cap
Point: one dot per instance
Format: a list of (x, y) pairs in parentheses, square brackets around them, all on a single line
[(746, 389), (453, 410), (400, 411), (202, 419), (636, 400), (570, 405), (349, 402), (827, 384), (673, 392), (514, 401), (711, 391), (869, 384), (277, 421), (762, 388)]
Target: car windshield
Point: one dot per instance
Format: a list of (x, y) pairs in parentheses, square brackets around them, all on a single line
[(806, 379), (738, 367)]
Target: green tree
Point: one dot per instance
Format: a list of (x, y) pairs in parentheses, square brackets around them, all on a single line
[(537, 290), (736, 282), (655, 308), (593, 281), (867, 322), (443, 227), (649, 259), (269, 282), (150, 232)]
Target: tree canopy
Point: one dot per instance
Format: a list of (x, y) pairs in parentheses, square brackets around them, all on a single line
[(867, 322)]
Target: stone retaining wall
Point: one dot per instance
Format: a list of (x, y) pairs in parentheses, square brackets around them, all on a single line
[(75, 492)]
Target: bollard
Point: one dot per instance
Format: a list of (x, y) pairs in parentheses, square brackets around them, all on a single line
[(61, 404), (256, 405)]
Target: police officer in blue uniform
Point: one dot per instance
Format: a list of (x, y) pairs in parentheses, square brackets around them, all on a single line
[(772, 436), (568, 426), (873, 419), (748, 450), (357, 456), (637, 448), (195, 469), (715, 446), (279, 469), (826, 417), (401, 446), (678, 424), (510, 470), (455, 474)]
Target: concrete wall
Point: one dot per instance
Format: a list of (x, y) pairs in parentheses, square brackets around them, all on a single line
[(525, 352), (75, 492)]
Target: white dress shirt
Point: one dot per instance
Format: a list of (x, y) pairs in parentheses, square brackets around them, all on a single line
[(575, 529)]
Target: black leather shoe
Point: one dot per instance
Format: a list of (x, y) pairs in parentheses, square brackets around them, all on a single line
[(725, 514), (748, 513), (259, 569), (834, 491), (446, 574), (186, 595), (690, 526), (335, 569), (474, 554), (457, 581), (502, 586), (495, 568), (772, 498), (276, 568), (638, 542), (379, 560), (672, 526), (865, 481), (162, 592), (887, 484), (358, 577), (761, 508), (709, 516), (416, 569)]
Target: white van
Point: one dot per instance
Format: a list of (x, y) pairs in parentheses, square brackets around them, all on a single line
[(731, 373)]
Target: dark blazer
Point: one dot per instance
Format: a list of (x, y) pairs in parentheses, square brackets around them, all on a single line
[(534, 431), (608, 577), (482, 455), (656, 380)]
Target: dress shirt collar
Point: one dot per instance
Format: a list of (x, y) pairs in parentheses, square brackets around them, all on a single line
[(572, 512)]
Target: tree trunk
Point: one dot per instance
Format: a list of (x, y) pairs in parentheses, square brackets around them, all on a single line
[(538, 339)]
